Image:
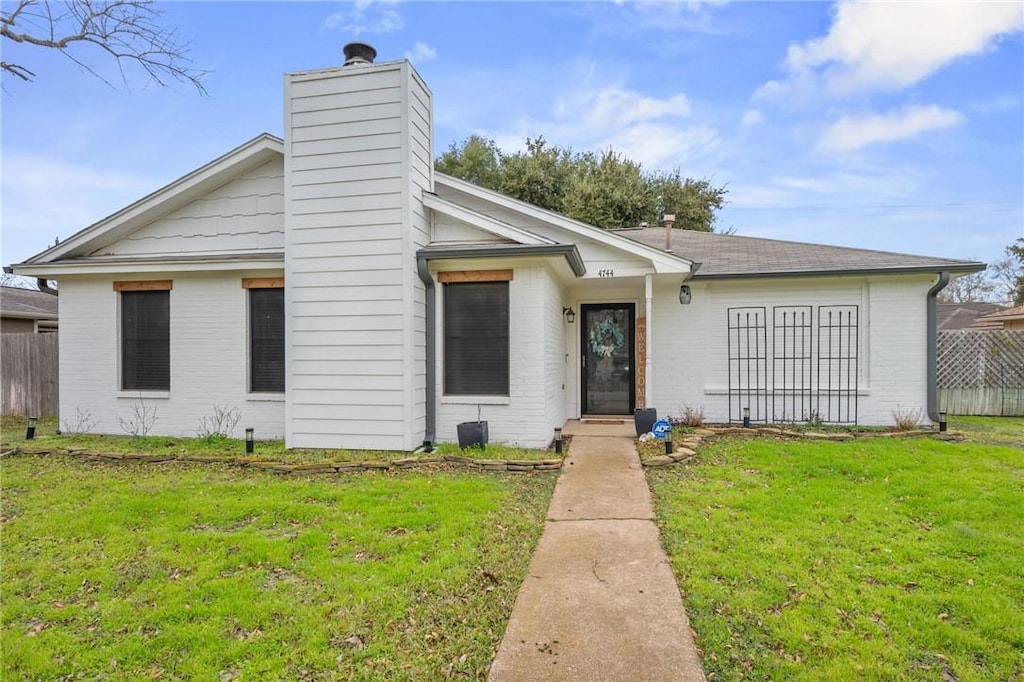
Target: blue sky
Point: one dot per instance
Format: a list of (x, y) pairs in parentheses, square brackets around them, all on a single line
[(894, 126)]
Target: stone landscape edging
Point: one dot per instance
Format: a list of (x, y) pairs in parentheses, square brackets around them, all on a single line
[(508, 465), (693, 439)]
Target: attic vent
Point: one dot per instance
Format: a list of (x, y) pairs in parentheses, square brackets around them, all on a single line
[(359, 54)]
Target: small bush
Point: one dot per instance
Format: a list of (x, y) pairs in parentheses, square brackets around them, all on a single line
[(691, 416), (81, 423), (141, 420), (220, 424), (907, 420)]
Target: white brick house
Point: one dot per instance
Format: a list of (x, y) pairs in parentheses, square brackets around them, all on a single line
[(338, 292)]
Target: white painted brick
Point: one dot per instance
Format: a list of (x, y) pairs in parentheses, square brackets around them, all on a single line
[(208, 327)]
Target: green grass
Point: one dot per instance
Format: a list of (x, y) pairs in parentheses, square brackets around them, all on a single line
[(182, 571), (864, 560), (13, 435), (997, 430)]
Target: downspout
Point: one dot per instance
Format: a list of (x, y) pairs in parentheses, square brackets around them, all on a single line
[(44, 287), (430, 388), (933, 346)]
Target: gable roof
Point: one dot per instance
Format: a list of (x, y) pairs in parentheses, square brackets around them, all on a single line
[(964, 315), (27, 303), (198, 183), (731, 256), (1016, 313), (661, 260)]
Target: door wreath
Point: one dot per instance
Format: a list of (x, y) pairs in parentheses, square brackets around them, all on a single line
[(605, 338)]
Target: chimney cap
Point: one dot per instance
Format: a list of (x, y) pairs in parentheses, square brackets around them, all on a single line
[(359, 53)]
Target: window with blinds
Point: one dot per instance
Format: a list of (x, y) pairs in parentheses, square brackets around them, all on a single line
[(145, 341), (266, 340), (476, 335)]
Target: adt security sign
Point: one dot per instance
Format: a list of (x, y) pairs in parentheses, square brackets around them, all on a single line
[(661, 428)]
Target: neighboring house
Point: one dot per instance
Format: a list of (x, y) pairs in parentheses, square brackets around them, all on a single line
[(27, 311), (339, 292), (1011, 319), (967, 315)]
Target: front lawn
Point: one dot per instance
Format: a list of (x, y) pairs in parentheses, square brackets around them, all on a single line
[(12, 434), (178, 571), (996, 430), (875, 559)]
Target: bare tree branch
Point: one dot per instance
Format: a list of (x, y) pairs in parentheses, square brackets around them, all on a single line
[(128, 30)]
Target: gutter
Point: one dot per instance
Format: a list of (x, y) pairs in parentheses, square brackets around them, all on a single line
[(860, 272), (569, 251), (933, 346), (431, 380)]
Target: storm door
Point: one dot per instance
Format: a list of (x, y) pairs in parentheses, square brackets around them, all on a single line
[(608, 339)]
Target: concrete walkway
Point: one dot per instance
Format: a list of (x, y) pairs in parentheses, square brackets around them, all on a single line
[(599, 601)]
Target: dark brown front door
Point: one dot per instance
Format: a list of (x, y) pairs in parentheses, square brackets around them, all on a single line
[(609, 333)]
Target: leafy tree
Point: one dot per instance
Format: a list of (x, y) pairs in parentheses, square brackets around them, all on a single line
[(127, 30), (477, 160), (1015, 252), (604, 189), (609, 191), (539, 175)]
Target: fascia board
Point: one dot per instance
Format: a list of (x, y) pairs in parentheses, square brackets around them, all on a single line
[(662, 262), (486, 223), (185, 189), (106, 267)]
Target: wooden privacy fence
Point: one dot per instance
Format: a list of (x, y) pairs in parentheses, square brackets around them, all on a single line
[(981, 372), (28, 367)]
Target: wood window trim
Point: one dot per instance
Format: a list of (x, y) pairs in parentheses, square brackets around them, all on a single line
[(460, 276), (144, 285), (263, 282)]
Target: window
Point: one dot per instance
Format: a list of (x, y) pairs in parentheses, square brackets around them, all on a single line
[(476, 338), (266, 340), (145, 340)]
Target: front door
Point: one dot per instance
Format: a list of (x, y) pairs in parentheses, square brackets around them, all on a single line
[(609, 385)]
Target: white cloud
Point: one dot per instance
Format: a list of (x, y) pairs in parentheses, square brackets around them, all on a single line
[(751, 117), (892, 45), (31, 217), (653, 131), (854, 132), (367, 16), (828, 192), (421, 52)]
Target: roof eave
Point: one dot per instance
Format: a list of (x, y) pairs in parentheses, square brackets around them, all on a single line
[(661, 260), (569, 251), (960, 269), (259, 149), (128, 264)]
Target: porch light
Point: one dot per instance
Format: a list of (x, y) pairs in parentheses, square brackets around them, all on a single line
[(30, 432), (249, 441), (570, 314), (746, 417), (684, 294), (942, 422)]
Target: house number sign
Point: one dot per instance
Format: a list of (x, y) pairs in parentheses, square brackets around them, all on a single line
[(606, 273)]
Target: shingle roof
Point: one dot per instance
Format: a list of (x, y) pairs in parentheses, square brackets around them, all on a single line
[(729, 256), (964, 315), (1007, 314), (27, 303)]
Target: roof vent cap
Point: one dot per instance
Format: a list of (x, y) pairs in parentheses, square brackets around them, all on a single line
[(359, 54)]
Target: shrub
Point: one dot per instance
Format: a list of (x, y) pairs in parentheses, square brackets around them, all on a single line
[(220, 424), (907, 420), (691, 416)]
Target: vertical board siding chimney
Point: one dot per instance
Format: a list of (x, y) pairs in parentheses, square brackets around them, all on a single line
[(358, 143)]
